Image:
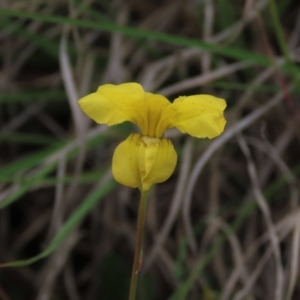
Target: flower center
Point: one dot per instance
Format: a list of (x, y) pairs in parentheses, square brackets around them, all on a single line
[(149, 141)]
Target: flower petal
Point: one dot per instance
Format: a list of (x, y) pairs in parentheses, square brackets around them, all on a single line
[(125, 162), (155, 104), (141, 160), (114, 104), (157, 160), (200, 115)]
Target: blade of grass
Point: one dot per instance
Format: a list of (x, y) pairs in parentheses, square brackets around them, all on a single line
[(225, 20), (20, 97), (24, 138), (243, 87), (232, 52), (140, 33), (27, 186), (281, 40), (73, 221), (244, 211), (29, 161), (35, 159), (87, 177), (92, 12), (48, 45)]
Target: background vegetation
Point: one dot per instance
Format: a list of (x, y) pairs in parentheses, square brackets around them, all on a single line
[(225, 226)]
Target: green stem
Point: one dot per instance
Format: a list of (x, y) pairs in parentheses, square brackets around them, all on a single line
[(137, 262)]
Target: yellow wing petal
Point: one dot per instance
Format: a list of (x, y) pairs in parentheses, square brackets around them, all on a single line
[(200, 115), (125, 162), (114, 104)]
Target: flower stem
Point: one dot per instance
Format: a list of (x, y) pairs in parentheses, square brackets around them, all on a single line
[(137, 262)]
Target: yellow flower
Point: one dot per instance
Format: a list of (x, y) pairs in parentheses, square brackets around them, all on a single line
[(146, 158)]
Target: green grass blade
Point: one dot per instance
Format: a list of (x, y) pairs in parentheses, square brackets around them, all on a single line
[(244, 211), (26, 187), (225, 85), (24, 138), (73, 221), (87, 177), (33, 160), (281, 40), (227, 51), (29, 161), (32, 96), (50, 47), (140, 33)]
